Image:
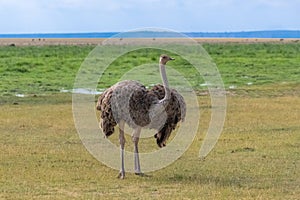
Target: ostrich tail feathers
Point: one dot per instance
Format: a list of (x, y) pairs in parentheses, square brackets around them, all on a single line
[(98, 107), (163, 135), (108, 128), (107, 121)]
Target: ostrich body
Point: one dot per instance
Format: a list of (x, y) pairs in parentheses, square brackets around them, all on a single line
[(129, 102)]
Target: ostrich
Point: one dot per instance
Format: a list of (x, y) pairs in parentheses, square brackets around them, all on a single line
[(129, 102)]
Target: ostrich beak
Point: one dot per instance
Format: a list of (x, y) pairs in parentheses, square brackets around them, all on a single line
[(172, 58)]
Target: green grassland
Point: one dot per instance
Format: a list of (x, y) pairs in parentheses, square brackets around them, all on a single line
[(256, 157), (48, 69)]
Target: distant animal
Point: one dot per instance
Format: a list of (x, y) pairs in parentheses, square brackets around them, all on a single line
[(130, 102)]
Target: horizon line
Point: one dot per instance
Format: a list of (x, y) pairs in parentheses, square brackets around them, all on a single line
[(117, 32)]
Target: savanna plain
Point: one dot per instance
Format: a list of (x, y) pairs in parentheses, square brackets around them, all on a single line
[(256, 157)]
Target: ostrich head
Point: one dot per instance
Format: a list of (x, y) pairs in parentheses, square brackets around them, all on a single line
[(164, 59)]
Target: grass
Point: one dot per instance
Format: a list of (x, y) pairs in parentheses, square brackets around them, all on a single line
[(39, 70), (256, 157), (48, 69), (257, 63)]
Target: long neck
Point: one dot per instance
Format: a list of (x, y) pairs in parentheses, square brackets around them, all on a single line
[(163, 74)]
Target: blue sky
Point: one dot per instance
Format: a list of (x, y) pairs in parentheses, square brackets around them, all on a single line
[(42, 16)]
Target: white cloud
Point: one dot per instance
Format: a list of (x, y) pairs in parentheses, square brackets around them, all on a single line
[(118, 15), (274, 3)]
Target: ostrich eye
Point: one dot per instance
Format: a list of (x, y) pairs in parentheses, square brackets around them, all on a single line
[(164, 57)]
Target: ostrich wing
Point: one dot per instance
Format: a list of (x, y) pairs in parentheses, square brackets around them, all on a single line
[(175, 109)]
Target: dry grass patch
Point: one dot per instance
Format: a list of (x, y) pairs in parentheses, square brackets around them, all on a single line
[(257, 156)]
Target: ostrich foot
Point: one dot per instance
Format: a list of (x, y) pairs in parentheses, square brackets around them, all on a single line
[(121, 175), (139, 173)]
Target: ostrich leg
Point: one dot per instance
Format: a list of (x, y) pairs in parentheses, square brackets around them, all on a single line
[(135, 139), (122, 146)]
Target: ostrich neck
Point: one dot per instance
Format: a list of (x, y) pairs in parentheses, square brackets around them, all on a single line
[(163, 74)]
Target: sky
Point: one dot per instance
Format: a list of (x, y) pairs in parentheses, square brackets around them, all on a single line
[(69, 16)]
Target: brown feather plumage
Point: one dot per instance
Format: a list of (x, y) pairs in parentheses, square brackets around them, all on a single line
[(113, 106), (175, 110), (107, 122)]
